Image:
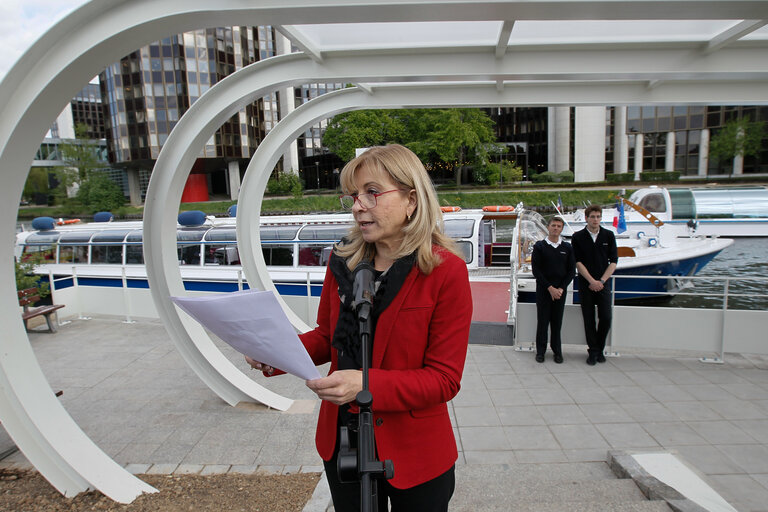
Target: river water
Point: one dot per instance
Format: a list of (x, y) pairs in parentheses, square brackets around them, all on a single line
[(746, 258)]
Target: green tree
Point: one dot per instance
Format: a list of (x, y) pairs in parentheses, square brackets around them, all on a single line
[(362, 129), (37, 183), (737, 137), (458, 135), (99, 193), (81, 158)]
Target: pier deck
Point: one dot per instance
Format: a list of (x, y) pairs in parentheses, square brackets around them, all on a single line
[(130, 391)]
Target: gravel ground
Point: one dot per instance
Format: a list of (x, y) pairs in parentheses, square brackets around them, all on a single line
[(27, 491)]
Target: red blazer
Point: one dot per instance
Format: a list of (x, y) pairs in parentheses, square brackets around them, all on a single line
[(419, 350)]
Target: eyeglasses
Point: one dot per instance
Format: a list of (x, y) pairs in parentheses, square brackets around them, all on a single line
[(367, 201)]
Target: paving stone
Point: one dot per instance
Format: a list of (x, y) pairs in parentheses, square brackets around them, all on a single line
[(137, 469), (244, 469), (269, 470), (162, 469), (188, 469), (215, 469)]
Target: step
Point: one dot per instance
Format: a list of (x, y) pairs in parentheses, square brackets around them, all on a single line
[(546, 472), (639, 506), (546, 487)]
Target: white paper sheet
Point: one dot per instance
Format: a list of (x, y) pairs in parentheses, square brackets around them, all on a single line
[(254, 324)]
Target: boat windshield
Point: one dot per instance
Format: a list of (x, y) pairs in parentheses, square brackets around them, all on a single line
[(531, 228)]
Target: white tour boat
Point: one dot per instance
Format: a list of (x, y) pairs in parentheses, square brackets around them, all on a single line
[(709, 211), (100, 258)]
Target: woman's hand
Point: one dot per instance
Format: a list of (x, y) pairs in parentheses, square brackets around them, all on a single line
[(258, 365), (340, 387)]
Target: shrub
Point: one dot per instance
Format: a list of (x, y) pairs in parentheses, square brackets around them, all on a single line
[(25, 276), (553, 177), (286, 183), (100, 194), (489, 174), (624, 177), (481, 174)]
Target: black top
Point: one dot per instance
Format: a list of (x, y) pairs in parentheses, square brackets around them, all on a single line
[(553, 266), (597, 255)]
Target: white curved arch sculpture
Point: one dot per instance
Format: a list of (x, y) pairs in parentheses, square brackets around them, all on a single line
[(102, 32)]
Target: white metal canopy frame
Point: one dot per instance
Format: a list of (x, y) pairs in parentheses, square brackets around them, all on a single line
[(451, 53)]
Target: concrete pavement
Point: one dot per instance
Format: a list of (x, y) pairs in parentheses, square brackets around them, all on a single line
[(129, 390)]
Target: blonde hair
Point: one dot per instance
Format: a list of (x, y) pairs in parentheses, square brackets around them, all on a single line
[(425, 227)]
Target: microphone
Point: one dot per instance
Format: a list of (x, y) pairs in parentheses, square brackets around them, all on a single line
[(363, 286)]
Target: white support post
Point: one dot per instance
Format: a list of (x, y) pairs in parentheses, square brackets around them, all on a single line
[(126, 300), (76, 286), (610, 352), (52, 289), (309, 296), (721, 358)]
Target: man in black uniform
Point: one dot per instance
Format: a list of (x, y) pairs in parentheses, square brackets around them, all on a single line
[(553, 267), (596, 258)]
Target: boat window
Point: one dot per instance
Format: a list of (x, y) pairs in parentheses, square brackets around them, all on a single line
[(190, 234), (75, 237), (278, 232), (48, 252), (465, 249), (134, 254), (46, 238), (314, 255), (188, 254), (135, 237), (276, 254), (459, 228), (654, 203), (333, 232), (221, 235), (683, 205), (112, 254), (73, 254), (110, 236), (222, 254), (735, 202)]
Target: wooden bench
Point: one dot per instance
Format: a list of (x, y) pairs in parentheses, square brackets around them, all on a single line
[(30, 296)]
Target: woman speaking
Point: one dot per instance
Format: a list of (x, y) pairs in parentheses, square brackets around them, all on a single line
[(422, 310)]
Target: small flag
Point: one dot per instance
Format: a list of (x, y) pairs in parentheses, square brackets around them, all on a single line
[(559, 203), (618, 218)]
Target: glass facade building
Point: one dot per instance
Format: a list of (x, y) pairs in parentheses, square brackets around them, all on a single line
[(146, 93), (688, 124)]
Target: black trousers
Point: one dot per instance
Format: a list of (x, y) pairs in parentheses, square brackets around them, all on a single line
[(596, 332), (431, 496), (549, 315)]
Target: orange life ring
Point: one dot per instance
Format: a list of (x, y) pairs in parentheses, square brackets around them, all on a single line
[(500, 208), (68, 221), (447, 209)]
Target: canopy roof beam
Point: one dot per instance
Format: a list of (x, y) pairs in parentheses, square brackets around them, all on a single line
[(733, 34), (301, 42), (503, 42)]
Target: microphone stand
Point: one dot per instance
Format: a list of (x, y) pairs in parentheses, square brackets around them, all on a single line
[(362, 464)]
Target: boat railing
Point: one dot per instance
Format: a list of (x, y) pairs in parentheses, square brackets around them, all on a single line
[(718, 314), (71, 282), (717, 295)]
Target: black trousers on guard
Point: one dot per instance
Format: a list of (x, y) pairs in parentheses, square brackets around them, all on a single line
[(431, 496), (596, 332), (549, 316)]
